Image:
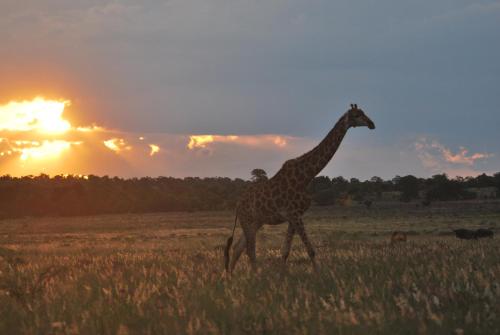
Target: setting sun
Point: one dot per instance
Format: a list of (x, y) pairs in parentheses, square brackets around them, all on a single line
[(37, 122), (38, 114), (35, 135)]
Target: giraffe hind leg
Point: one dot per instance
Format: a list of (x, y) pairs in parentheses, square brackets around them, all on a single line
[(288, 242), (309, 247)]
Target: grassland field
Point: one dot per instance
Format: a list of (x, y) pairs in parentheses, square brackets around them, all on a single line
[(162, 273)]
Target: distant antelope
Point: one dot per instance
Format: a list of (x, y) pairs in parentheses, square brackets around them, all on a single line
[(397, 237)]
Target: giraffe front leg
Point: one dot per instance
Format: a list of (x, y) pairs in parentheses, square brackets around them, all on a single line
[(250, 244), (250, 235), (288, 242), (237, 251), (305, 239)]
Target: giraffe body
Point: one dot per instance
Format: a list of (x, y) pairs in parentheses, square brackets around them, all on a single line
[(284, 197)]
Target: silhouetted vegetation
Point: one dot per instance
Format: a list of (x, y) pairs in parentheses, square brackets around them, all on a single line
[(72, 195), (258, 175)]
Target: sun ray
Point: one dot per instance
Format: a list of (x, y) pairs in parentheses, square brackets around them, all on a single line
[(46, 149)]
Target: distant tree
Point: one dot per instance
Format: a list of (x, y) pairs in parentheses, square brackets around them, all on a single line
[(484, 180), (496, 179), (408, 186), (258, 175), (325, 197), (374, 187), (62, 195), (340, 184), (444, 189), (320, 183)]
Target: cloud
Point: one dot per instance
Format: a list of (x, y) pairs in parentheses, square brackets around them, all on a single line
[(116, 144), (263, 141), (437, 158), (154, 149)]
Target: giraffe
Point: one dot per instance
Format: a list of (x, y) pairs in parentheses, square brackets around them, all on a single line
[(284, 198)]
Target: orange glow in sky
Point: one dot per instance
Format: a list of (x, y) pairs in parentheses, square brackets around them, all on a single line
[(37, 137)]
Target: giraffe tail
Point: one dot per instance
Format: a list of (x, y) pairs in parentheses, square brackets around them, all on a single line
[(228, 246)]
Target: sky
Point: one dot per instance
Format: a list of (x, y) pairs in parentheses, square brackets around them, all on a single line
[(221, 87)]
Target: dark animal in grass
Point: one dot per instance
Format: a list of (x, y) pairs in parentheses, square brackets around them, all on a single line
[(465, 234), (426, 203), (482, 233), (397, 237)]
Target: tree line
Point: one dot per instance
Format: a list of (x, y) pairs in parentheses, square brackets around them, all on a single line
[(405, 188), (90, 195)]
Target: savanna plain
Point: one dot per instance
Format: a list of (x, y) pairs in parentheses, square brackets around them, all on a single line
[(163, 273)]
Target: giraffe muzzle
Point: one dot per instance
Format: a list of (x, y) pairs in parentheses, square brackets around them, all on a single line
[(371, 125)]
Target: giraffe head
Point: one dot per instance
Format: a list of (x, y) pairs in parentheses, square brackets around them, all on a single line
[(355, 117)]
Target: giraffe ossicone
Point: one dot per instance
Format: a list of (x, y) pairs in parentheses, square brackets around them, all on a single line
[(284, 197)]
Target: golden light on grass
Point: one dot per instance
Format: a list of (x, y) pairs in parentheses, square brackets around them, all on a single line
[(362, 283)]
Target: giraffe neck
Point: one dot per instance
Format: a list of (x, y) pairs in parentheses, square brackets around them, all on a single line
[(302, 170), (315, 160)]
